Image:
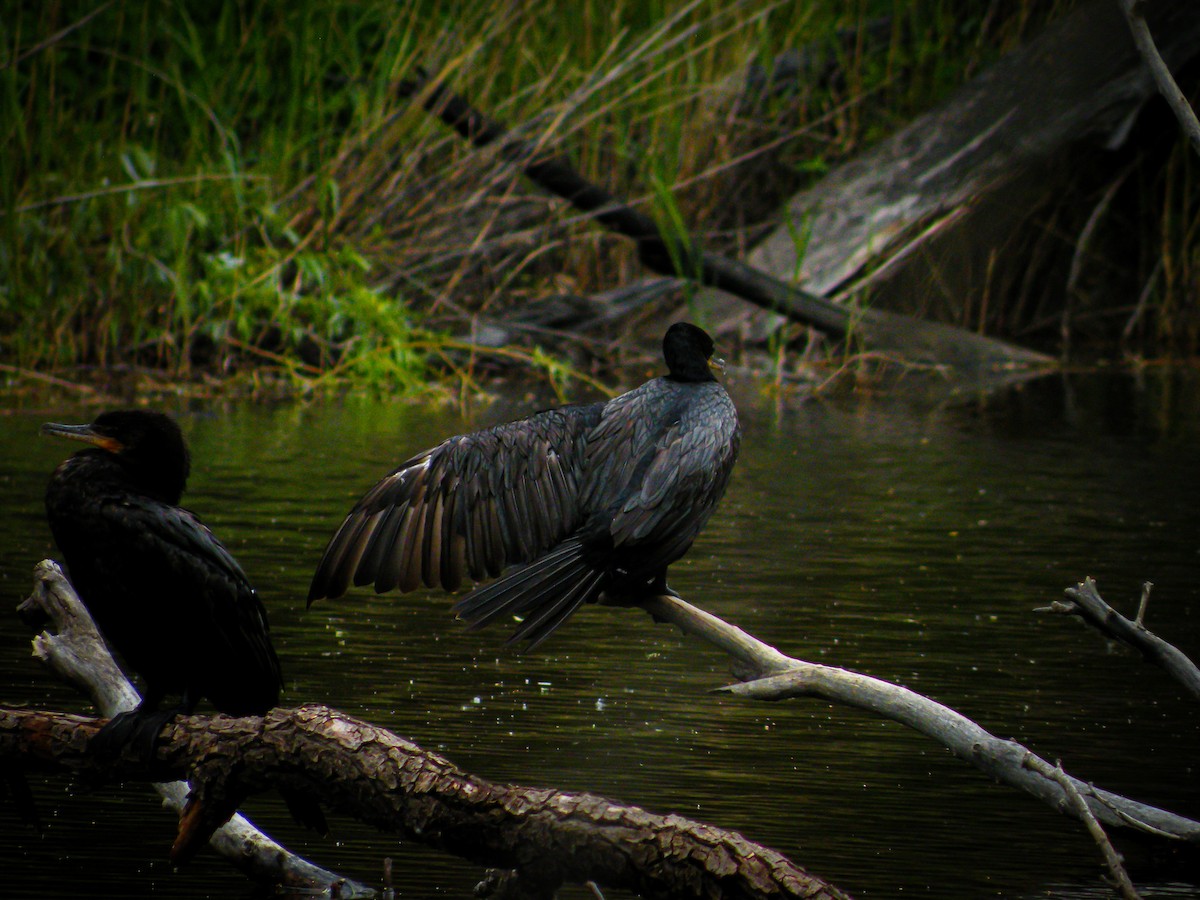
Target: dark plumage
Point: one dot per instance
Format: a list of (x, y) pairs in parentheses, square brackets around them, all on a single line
[(165, 593), (575, 502)]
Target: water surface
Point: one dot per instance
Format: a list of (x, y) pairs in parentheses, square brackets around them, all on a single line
[(905, 539)]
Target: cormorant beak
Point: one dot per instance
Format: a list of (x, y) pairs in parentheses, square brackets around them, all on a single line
[(716, 364), (83, 433)]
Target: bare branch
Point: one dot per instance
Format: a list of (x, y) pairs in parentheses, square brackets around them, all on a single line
[(677, 256), (1162, 75), (75, 652), (1079, 807), (541, 837), (1143, 604), (1086, 603), (1003, 760)]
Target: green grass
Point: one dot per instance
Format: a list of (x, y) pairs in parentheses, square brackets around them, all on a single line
[(228, 185)]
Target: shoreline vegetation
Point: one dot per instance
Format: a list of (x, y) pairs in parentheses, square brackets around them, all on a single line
[(238, 200)]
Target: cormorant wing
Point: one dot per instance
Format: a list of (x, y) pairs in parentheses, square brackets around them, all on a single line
[(467, 508), (197, 576), (665, 484)]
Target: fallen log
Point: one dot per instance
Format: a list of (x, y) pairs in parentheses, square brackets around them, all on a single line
[(547, 837), (881, 215), (913, 339), (353, 766)]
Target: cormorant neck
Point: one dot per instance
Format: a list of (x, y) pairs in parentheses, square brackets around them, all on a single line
[(692, 374)]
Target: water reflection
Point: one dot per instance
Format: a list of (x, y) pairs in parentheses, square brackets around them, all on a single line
[(906, 541)]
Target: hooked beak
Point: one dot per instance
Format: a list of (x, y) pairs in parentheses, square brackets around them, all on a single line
[(716, 364), (84, 433)]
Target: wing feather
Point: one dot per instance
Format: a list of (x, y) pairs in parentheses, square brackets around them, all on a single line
[(659, 484), (469, 507), (136, 561)]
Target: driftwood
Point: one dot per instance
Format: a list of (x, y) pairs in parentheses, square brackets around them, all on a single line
[(1081, 79), (546, 837), (771, 675), (75, 652), (914, 339), (357, 768), (1086, 603)]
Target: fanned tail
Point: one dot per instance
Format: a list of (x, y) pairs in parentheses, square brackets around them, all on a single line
[(543, 593)]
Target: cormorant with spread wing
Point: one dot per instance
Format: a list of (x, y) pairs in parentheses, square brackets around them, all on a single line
[(573, 502)]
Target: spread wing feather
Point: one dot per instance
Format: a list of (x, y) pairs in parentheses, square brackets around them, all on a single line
[(465, 509)]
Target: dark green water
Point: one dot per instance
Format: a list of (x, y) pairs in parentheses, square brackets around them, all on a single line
[(905, 540)]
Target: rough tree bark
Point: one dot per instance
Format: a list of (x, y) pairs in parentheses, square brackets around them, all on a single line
[(547, 837), (550, 837)]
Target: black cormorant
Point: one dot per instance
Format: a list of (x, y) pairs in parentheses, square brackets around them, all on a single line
[(164, 592), (575, 502)]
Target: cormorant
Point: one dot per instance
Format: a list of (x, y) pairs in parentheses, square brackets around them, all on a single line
[(575, 502), (164, 592)]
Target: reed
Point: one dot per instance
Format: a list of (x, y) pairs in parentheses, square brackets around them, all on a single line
[(228, 185)]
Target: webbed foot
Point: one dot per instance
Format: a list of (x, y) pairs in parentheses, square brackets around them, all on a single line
[(138, 729)]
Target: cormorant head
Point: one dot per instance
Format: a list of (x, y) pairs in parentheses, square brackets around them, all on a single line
[(148, 445), (688, 351)]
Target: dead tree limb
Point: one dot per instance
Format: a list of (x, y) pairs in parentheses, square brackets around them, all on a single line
[(1079, 81), (550, 837), (1079, 808), (75, 652), (546, 837), (1086, 603), (771, 675), (1167, 86), (915, 339)]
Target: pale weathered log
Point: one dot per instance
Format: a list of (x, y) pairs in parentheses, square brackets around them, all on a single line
[(1088, 605), (546, 837), (1081, 80), (75, 652), (1003, 760)]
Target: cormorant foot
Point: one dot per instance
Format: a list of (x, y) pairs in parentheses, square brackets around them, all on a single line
[(134, 728)]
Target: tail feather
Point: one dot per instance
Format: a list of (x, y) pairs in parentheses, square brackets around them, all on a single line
[(536, 629), (513, 592), (546, 592)]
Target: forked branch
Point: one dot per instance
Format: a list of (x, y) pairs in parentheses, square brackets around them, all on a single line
[(769, 674), (73, 649), (1086, 603)]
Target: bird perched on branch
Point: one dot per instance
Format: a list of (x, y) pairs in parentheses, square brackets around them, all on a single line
[(569, 504), (164, 592)]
